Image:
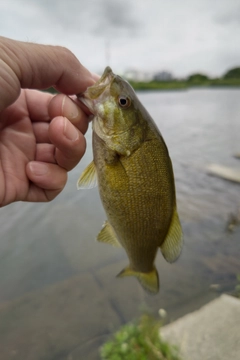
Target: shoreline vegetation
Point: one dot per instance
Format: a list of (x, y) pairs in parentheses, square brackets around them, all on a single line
[(176, 85), (139, 340), (230, 79), (184, 84)]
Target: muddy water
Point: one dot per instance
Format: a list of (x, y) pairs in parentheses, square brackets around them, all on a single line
[(59, 298)]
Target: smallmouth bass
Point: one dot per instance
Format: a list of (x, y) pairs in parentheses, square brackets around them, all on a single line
[(134, 173)]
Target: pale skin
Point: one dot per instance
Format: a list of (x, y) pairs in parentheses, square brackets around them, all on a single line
[(41, 135)]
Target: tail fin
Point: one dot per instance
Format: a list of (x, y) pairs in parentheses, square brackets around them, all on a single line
[(149, 280)]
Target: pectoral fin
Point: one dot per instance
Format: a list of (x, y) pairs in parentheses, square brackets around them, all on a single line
[(172, 245), (149, 280), (107, 235), (88, 178)]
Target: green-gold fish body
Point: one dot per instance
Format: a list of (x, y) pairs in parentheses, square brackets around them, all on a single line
[(135, 177)]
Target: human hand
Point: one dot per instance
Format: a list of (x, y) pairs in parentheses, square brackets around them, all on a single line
[(41, 135)]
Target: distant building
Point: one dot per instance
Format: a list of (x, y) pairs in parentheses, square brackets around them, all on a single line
[(163, 76), (138, 75), (145, 76)]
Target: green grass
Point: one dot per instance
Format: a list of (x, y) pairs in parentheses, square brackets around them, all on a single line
[(176, 84), (184, 84), (159, 85), (139, 340)]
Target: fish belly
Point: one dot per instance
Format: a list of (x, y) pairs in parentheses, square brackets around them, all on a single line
[(138, 196)]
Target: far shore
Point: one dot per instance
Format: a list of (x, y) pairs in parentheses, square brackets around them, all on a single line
[(176, 85), (184, 84)]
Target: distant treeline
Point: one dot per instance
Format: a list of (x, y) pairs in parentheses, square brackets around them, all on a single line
[(184, 84), (231, 78)]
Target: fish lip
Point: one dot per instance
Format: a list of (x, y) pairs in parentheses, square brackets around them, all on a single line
[(86, 102), (84, 106), (90, 96), (105, 78)]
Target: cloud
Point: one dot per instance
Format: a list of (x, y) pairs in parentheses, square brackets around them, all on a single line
[(115, 18), (98, 17), (151, 35), (231, 16)]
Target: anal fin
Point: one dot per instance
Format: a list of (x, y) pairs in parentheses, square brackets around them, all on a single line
[(107, 235), (172, 245)]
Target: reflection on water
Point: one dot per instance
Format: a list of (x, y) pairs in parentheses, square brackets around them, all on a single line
[(59, 298)]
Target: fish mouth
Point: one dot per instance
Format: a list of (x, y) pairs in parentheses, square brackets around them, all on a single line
[(91, 96)]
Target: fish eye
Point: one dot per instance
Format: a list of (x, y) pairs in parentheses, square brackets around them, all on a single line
[(124, 101)]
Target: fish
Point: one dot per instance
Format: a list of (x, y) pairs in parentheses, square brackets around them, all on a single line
[(133, 170)]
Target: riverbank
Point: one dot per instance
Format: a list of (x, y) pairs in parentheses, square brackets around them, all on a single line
[(212, 332), (184, 84), (177, 85)]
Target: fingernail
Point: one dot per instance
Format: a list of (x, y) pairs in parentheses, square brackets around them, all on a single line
[(38, 168), (69, 108), (70, 131)]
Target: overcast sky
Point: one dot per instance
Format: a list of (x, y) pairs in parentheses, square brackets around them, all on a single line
[(181, 36)]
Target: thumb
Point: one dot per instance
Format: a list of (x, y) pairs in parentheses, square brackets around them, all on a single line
[(28, 65)]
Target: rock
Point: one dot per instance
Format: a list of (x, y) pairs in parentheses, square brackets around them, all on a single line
[(224, 172), (210, 333)]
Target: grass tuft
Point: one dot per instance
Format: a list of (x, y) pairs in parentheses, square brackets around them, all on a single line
[(139, 340)]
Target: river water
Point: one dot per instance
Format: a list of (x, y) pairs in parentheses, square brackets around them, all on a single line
[(59, 297)]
